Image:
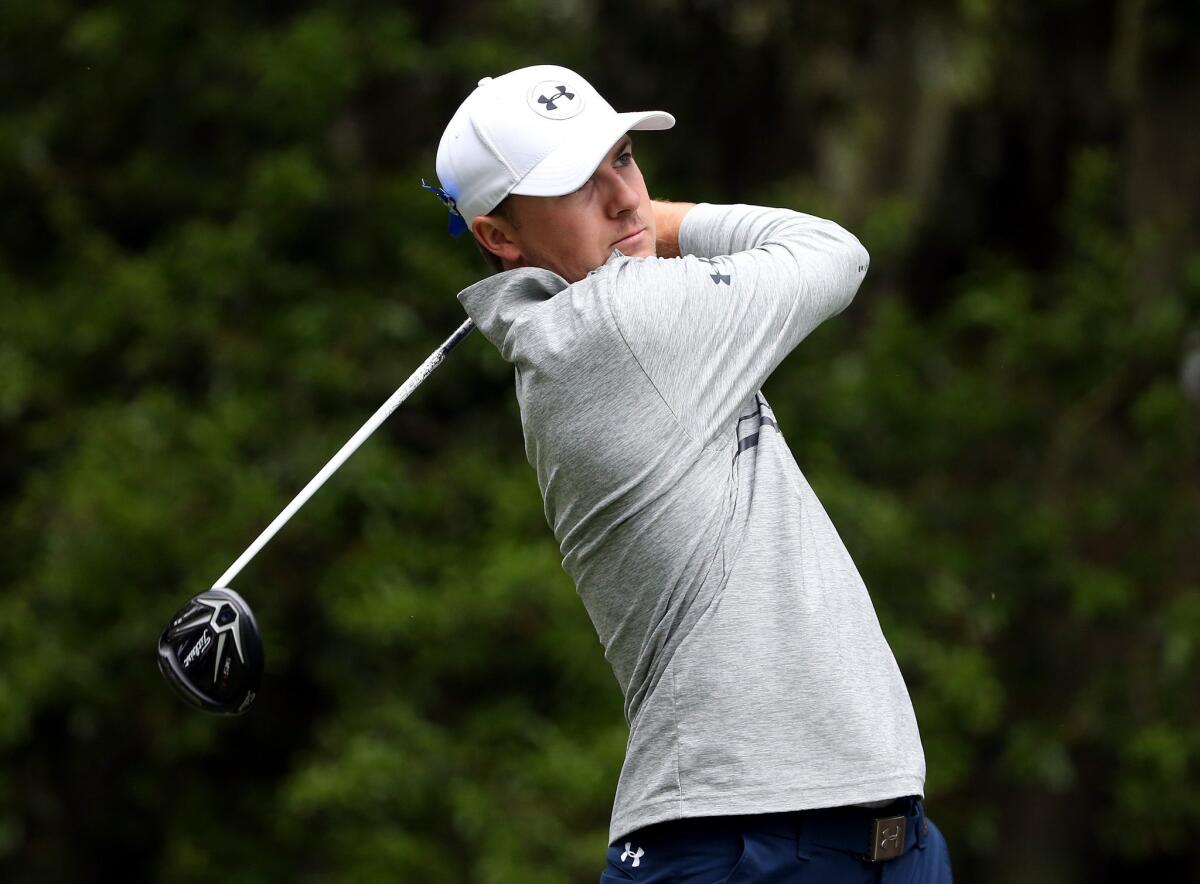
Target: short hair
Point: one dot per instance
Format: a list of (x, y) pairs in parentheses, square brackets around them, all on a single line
[(504, 210)]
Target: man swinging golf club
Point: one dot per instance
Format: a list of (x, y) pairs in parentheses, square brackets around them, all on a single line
[(771, 736)]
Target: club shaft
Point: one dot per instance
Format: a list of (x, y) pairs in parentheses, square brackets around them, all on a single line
[(385, 410)]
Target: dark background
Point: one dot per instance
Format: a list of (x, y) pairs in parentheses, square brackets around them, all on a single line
[(215, 262)]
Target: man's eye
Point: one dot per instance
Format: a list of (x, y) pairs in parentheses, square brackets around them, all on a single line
[(625, 159)]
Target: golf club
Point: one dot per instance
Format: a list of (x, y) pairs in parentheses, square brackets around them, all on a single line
[(211, 652)]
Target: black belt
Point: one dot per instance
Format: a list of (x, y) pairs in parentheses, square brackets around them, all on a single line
[(876, 834)]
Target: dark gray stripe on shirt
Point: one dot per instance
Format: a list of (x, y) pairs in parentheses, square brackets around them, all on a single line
[(752, 440)]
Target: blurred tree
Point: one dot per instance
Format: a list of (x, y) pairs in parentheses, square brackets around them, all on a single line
[(215, 263)]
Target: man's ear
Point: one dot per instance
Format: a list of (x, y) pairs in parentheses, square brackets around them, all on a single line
[(496, 234)]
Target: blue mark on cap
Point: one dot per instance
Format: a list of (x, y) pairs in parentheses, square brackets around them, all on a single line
[(458, 224)]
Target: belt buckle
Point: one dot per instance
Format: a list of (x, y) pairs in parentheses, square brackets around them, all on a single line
[(887, 838)]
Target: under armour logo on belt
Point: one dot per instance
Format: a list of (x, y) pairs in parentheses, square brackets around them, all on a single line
[(890, 839), (636, 854), (549, 102), (887, 838)]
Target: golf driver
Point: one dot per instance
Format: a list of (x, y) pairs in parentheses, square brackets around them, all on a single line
[(211, 652)]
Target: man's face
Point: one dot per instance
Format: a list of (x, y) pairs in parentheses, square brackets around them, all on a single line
[(574, 234)]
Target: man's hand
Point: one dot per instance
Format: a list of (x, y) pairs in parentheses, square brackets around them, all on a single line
[(667, 218)]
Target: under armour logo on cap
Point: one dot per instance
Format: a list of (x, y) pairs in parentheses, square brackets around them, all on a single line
[(562, 93), (555, 100)]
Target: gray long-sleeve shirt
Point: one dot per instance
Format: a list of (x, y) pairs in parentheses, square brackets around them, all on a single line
[(755, 675)]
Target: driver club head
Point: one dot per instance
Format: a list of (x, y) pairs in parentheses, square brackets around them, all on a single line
[(211, 652)]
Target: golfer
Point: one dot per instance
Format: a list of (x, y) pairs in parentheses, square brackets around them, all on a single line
[(771, 736)]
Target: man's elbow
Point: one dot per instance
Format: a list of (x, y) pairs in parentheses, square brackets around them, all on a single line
[(854, 260), (858, 256)]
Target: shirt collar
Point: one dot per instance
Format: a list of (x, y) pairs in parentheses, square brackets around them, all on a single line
[(496, 302)]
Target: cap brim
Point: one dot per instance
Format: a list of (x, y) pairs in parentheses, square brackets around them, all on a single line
[(566, 169)]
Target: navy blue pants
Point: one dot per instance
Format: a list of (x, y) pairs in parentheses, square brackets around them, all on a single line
[(804, 847)]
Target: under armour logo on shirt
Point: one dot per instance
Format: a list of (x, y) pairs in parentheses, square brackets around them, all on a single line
[(718, 277), (549, 102), (630, 852)]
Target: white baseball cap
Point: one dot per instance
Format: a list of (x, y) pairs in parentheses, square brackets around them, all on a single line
[(538, 131)]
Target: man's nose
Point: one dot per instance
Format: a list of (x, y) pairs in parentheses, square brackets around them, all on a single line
[(620, 196)]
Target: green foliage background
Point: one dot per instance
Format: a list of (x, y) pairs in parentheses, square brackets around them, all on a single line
[(215, 262)]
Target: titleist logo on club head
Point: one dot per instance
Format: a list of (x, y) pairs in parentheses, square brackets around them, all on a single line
[(198, 648)]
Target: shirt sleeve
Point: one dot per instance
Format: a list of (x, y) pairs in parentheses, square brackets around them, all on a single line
[(709, 328)]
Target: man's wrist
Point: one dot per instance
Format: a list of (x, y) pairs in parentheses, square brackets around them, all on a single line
[(667, 219)]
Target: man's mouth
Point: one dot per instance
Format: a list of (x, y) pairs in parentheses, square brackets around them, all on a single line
[(628, 238)]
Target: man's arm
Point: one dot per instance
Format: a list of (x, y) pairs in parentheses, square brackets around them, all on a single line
[(667, 218), (709, 327)]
